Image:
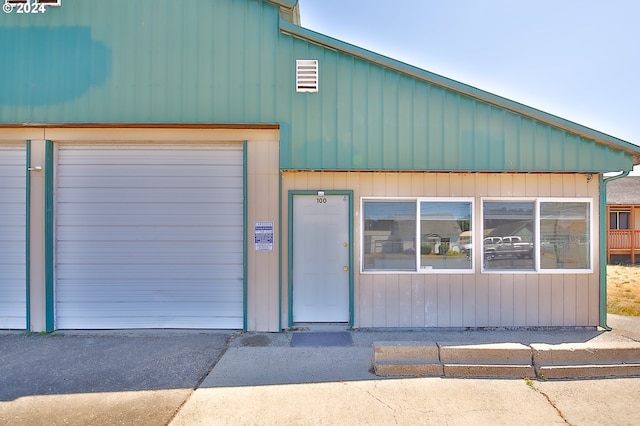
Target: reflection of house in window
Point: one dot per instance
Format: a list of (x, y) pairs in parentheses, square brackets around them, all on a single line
[(509, 234)]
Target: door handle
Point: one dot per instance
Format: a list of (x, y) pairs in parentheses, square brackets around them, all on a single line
[(345, 268)]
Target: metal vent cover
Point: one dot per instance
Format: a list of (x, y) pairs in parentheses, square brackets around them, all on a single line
[(306, 75)]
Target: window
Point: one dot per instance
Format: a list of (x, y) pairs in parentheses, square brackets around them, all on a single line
[(437, 235), (446, 239), (536, 235), (389, 235), (443, 229), (619, 219), (509, 234), (565, 237)]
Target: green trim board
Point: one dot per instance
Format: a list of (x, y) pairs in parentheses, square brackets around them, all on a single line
[(28, 234), (245, 239), (603, 245), (280, 251), (292, 194), (49, 242)]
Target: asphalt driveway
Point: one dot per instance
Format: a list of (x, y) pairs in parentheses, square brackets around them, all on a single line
[(138, 377)]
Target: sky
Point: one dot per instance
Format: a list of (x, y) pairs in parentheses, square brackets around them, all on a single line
[(576, 59)]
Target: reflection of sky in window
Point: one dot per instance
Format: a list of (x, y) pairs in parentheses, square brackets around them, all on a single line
[(445, 211), (564, 211), (389, 210)]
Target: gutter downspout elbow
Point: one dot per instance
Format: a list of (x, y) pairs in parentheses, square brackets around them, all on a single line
[(603, 246)]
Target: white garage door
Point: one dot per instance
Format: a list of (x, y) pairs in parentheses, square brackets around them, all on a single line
[(13, 292), (149, 236)]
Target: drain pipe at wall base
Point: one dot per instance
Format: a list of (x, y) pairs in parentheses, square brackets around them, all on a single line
[(603, 246)]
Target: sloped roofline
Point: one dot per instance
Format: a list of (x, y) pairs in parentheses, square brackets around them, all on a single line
[(499, 101)]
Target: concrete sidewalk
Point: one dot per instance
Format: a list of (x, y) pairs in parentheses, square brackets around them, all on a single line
[(261, 379), (149, 377)]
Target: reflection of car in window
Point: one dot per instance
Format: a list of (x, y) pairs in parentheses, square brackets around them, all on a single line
[(507, 247), (464, 242)]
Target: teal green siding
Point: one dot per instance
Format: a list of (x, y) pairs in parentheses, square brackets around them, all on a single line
[(233, 62)]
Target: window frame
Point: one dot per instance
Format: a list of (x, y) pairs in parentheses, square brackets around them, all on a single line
[(417, 264), (617, 213), (537, 201)]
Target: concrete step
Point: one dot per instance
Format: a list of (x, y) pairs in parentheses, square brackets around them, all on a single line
[(586, 360), (506, 360), (505, 371), (417, 359)]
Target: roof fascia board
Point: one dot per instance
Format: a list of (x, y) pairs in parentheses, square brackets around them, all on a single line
[(285, 3), (290, 7), (499, 101)]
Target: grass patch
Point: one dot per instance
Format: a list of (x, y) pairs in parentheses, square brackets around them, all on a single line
[(623, 290)]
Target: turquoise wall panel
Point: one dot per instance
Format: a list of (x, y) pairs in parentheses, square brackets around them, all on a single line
[(227, 61)]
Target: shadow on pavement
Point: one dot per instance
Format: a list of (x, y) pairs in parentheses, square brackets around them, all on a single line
[(58, 363)]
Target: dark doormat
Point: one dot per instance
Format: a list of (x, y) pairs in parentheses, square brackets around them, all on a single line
[(342, 338)]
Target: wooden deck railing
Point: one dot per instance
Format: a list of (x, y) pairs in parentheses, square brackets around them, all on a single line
[(624, 239), (623, 242)]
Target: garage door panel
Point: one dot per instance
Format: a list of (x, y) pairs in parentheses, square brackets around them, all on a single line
[(160, 209), (13, 236), (178, 274), (143, 241), (149, 171), (180, 154), (156, 234), (148, 195), (153, 181), (194, 248), (167, 296), (155, 220), (233, 258)]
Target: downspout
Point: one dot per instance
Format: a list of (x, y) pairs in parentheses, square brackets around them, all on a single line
[(603, 246)]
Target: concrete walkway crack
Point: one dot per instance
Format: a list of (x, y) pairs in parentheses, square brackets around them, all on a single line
[(530, 383), (384, 404)]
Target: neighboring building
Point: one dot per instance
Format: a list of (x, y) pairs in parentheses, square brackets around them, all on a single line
[(212, 164), (623, 220)]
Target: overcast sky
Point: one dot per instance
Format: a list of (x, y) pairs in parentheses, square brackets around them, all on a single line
[(577, 59)]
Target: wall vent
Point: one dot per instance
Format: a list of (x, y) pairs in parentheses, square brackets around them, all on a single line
[(306, 75)]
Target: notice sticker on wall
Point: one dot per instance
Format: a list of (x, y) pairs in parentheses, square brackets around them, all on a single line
[(264, 236)]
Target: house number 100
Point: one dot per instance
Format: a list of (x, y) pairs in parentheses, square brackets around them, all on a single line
[(321, 200)]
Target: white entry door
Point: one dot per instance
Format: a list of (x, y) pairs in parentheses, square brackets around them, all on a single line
[(321, 258)]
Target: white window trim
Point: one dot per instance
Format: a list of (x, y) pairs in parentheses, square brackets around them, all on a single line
[(537, 201), (419, 270)]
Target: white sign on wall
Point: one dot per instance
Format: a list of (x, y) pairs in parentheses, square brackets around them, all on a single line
[(264, 236)]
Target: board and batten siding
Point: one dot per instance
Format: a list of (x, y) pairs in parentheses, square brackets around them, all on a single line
[(461, 300), (263, 181)]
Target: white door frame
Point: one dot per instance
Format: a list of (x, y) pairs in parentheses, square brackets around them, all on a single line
[(319, 193)]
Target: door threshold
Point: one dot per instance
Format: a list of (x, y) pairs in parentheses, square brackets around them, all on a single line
[(321, 326)]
